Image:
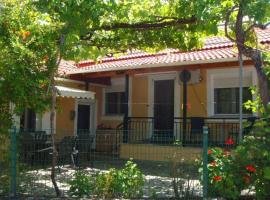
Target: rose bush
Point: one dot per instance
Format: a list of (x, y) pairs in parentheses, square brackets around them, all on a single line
[(221, 180), (247, 167)]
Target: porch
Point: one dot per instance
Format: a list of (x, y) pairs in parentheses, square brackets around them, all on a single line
[(189, 133), (142, 141)]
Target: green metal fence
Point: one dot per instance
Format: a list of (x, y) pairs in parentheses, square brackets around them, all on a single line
[(169, 166)]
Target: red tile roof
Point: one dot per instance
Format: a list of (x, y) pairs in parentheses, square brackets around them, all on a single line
[(155, 60), (65, 67), (215, 49)]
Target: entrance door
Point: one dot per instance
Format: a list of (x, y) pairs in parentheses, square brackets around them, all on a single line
[(164, 108), (83, 119)]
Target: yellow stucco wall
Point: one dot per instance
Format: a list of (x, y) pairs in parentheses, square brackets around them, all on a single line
[(197, 102), (139, 96), (64, 125), (158, 152), (197, 97)]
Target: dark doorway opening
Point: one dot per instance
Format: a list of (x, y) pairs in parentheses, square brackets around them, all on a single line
[(163, 111), (83, 119)]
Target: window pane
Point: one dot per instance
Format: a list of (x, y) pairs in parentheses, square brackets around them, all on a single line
[(227, 100), (223, 101), (111, 103), (115, 103)]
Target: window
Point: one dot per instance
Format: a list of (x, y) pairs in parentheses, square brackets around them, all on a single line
[(114, 103), (227, 100)]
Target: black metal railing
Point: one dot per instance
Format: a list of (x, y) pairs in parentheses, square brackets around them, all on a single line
[(142, 130)]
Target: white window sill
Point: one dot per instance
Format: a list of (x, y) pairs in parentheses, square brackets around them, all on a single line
[(112, 117)]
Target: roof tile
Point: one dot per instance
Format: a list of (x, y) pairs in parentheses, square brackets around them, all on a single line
[(214, 48)]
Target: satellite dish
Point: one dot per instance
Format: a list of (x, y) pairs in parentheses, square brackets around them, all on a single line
[(185, 76)]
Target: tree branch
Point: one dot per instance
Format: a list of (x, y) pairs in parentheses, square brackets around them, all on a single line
[(227, 22), (147, 25), (256, 25)]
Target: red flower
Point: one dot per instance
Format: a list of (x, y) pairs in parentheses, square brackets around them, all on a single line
[(217, 178), (246, 178), (25, 35), (209, 151), (229, 141), (250, 168)]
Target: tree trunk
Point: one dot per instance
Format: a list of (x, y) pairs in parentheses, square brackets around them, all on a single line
[(263, 87), (52, 125), (256, 57), (254, 54)]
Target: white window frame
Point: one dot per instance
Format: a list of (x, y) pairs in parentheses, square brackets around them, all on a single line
[(249, 79)]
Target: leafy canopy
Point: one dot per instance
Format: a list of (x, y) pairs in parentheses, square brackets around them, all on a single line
[(35, 34)]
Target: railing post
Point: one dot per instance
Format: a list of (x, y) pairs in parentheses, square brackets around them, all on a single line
[(205, 161), (13, 159)]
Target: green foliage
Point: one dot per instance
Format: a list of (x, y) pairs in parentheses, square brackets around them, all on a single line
[(182, 173), (221, 177), (26, 54), (80, 185), (255, 151), (126, 183), (245, 168)]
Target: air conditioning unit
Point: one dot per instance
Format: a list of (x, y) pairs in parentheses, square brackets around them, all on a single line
[(195, 77)]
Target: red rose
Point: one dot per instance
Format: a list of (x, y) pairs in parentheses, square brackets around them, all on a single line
[(209, 151), (217, 178), (229, 141), (250, 168)]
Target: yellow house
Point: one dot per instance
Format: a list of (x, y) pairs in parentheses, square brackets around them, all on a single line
[(139, 98)]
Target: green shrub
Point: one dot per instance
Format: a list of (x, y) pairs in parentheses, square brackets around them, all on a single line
[(126, 183), (80, 185), (252, 160), (221, 177), (245, 168)]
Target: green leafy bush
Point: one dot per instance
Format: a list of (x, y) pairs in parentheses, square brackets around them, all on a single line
[(252, 160), (221, 177), (126, 183), (80, 185), (247, 167)]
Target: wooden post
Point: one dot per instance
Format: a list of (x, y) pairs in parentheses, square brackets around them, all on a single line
[(125, 132), (185, 110), (185, 77)]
